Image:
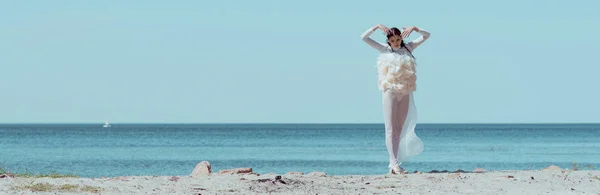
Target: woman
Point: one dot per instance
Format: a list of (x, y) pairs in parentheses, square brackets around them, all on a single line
[(397, 81)]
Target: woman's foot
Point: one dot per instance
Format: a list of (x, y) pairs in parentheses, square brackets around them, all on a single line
[(398, 170)]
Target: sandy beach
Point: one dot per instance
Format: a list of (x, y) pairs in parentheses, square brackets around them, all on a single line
[(501, 182)]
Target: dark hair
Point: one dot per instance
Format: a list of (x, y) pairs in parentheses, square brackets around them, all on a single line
[(396, 31)]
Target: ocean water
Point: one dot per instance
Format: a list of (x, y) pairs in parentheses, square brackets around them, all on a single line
[(89, 150)]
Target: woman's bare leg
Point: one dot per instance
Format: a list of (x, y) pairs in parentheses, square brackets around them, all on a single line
[(394, 112)]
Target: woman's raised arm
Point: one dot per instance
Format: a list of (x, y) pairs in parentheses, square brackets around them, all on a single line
[(367, 39)]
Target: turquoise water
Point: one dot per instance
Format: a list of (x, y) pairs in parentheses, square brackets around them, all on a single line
[(89, 150)]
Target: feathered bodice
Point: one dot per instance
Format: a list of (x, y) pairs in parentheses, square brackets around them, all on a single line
[(396, 72)]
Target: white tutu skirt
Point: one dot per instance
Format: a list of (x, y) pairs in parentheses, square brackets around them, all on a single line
[(398, 73)]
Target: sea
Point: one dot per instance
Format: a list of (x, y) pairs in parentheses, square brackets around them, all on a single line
[(89, 150)]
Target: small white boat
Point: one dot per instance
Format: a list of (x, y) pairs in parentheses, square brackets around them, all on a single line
[(106, 125)]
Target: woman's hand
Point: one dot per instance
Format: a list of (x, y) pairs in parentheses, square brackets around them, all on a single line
[(385, 29), (407, 30)]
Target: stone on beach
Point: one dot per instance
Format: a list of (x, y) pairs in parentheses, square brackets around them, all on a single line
[(552, 168), (202, 169), (236, 171), (479, 170), (7, 175), (317, 174)]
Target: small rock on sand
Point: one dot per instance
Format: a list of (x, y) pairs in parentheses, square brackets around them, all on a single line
[(236, 171), (295, 173), (318, 174), (7, 176), (479, 170), (202, 169), (552, 168), (174, 178), (459, 171)]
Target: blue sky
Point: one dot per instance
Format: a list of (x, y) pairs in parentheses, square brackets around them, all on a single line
[(293, 62)]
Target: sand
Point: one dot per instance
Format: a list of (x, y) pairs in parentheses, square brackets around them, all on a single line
[(504, 182)]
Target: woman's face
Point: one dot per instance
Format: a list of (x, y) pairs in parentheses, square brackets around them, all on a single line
[(395, 41)]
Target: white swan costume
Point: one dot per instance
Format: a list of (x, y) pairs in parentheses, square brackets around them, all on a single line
[(397, 75), (397, 81)]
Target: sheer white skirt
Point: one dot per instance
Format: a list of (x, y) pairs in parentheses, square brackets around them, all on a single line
[(397, 81)]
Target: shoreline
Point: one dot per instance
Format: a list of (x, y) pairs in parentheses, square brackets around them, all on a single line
[(551, 180)]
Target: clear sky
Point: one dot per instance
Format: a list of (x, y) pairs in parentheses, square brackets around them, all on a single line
[(513, 61)]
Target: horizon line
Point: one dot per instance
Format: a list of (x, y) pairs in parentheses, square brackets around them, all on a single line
[(298, 123)]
